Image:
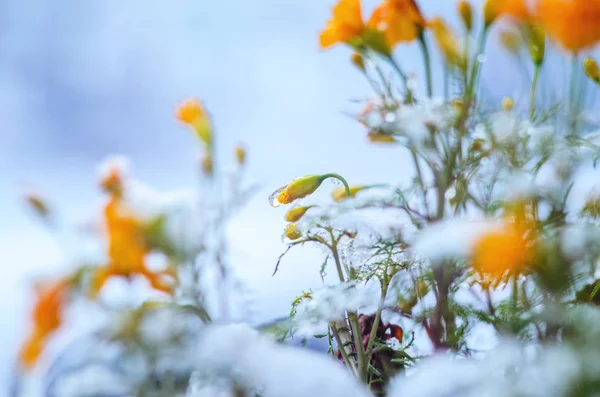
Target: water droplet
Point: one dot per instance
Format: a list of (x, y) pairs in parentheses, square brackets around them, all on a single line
[(481, 58), (411, 84), (273, 201), (450, 193), (335, 181), (323, 274), (390, 117), (369, 64)]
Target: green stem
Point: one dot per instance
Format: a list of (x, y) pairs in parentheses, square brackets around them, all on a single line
[(476, 66), (340, 178), (572, 117), (360, 349), (427, 62), (396, 67), (536, 76), (420, 179)]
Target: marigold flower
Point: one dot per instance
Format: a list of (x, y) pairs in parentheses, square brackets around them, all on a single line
[(399, 20), (295, 214), (494, 9), (292, 232), (345, 26), (590, 67), (296, 189), (47, 318), (240, 154), (127, 249), (193, 113), (573, 23), (447, 43), (465, 10), (501, 251), (339, 194)]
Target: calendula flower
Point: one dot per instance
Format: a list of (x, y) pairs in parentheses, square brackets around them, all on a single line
[(339, 194), (292, 232), (448, 43), (47, 318), (296, 189), (590, 67), (502, 251), (240, 154), (295, 214), (345, 26), (494, 9), (399, 20), (572, 23), (465, 10), (127, 249), (193, 113)]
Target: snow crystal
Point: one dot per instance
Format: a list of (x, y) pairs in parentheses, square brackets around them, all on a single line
[(580, 239), (92, 380)]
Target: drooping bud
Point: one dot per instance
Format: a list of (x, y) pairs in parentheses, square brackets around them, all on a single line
[(339, 194), (358, 61), (296, 189), (295, 214), (240, 155)]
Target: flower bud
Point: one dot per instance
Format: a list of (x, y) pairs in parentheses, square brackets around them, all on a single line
[(295, 214), (466, 14), (590, 67), (292, 232), (38, 204), (537, 44), (193, 113), (240, 155), (511, 41), (296, 189), (358, 61), (339, 194), (508, 104)]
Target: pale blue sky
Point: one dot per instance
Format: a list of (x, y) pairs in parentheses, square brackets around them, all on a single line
[(82, 80)]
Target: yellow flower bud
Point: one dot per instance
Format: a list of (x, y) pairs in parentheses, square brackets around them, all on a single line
[(447, 43), (507, 104), (339, 194), (490, 12), (193, 113), (295, 214), (466, 14), (292, 232), (380, 137), (207, 165), (590, 67), (240, 154), (358, 61), (296, 189), (537, 44), (422, 289), (38, 204), (511, 41)]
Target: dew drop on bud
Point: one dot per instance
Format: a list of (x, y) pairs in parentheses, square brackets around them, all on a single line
[(450, 193), (481, 58), (335, 181), (323, 274), (273, 201)]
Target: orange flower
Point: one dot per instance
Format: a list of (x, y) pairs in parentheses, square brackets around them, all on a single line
[(127, 249), (399, 20), (494, 9), (573, 23), (47, 318), (345, 25), (193, 113), (504, 250)]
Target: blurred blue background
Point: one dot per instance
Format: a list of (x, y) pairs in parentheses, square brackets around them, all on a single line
[(83, 80)]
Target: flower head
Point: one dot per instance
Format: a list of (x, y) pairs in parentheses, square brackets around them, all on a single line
[(240, 154), (345, 26), (572, 23), (465, 10), (292, 232), (494, 9), (47, 318), (339, 194), (193, 113), (296, 189), (295, 214), (399, 20)]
